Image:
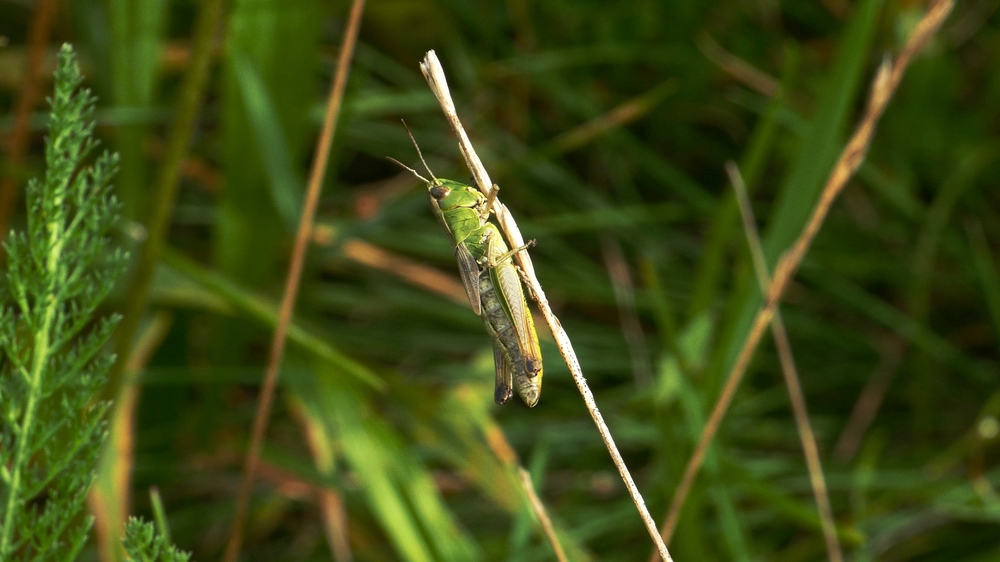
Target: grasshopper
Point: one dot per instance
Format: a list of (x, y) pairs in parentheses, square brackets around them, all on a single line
[(516, 354), (492, 282)]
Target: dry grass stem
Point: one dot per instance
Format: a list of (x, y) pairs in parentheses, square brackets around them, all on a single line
[(790, 372), (626, 113), (108, 499), (751, 76), (624, 289), (543, 516), (869, 400), (302, 237), (434, 74), (410, 271), (331, 504), (335, 524), (886, 81)]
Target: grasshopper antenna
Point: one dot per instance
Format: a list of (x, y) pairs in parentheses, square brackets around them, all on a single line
[(420, 154), (404, 166)]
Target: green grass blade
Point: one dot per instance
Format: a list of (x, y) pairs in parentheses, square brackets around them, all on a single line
[(813, 161)]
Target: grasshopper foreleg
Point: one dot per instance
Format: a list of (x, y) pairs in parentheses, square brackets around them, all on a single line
[(490, 198)]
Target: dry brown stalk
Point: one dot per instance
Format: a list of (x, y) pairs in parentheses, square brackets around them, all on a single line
[(331, 505), (870, 399), (543, 516), (414, 273), (302, 237), (335, 524), (625, 114), (624, 289), (109, 499), (751, 76)]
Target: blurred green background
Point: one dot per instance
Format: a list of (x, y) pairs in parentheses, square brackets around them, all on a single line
[(607, 125)]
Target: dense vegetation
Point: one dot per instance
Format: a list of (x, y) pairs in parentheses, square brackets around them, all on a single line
[(607, 126)]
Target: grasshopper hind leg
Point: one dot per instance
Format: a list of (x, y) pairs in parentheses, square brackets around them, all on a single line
[(504, 381)]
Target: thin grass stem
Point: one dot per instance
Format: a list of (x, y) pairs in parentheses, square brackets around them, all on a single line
[(302, 237), (790, 372), (542, 514)]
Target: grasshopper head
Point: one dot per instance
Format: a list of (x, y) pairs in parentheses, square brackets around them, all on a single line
[(438, 190), (451, 194)]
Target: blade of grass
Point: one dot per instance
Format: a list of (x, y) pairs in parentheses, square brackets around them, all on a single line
[(794, 511), (272, 145), (968, 170), (869, 399), (617, 118), (717, 489), (884, 85), (268, 79), (712, 265), (294, 276), (914, 333), (159, 514), (621, 282), (397, 487), (166, 186), (267, 313), (526, 521), (478, 447), (320, 443), (136, 31), (922, 392), (813, 161), (372, 451)]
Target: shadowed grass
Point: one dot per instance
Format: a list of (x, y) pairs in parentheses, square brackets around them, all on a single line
[(600, 121)]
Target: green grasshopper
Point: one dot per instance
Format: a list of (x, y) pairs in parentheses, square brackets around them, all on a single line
[(516, 355), (492, 283)]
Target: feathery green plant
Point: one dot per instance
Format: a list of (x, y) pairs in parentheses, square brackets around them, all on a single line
[(55, 357), (143, 544)]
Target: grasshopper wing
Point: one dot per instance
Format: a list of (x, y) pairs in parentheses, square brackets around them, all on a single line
[(469, 270), (508, 283)]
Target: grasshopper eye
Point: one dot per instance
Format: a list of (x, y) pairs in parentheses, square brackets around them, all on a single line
[(440, 191)]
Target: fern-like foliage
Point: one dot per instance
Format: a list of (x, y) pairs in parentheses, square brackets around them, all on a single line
[(144, 545), (59, 271)]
